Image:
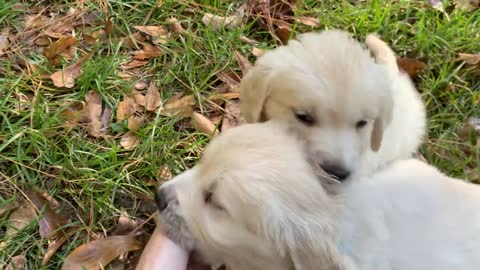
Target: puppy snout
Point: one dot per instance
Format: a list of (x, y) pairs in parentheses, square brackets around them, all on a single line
[(163, 197), (336, 170)]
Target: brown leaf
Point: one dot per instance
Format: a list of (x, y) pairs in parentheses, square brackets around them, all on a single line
[(232, 115), (148, 52), (467, 5), (6, 208), (257, 51), (49, 221), (164, 174), (140, 99), (135, 122), (471, 59), (98, 253), (243, 62), (20, 218), (93, 107), (283, 34), (203, 124), (125, 109), (17, 263), (153, 100), (412, 67), (141, 85), (217, 22), (59, 46), (134, 64), (35, 21), (66, 77), (224, 96), (249, 40), (108, 26), (54, 245), (176, 26), (125, 224), (106, 116), (153, 30), (129, 140), (309, 21), (42, 41), (182, 107), (74, 114)]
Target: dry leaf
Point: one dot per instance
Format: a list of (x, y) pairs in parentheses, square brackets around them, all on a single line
[(140, 99), (6, 208), (471, 59), (4, 44), (314, 22), (257, 51), (54, 245), (141, 85), (125, 224), (153, 100), (129, 140), (217, 22), (412, 67), (232, 115), (106, 117), (148, 52), (134, 64), (17, 263), (97, 254), (20, 218), (243, 62), (203, 124), (467, 5), (283, 34), (66, 78), (135, 122), (153, 30), (176, 26), (93, 108), (179, 107), (42, 41), (59, 46), (224, 96), (49, 221), (125, 109), (108, 26), (164, 174), (35, 21), (249, 40)]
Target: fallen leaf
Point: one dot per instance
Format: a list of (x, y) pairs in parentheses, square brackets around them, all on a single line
[(93, 107), (164, 174), (203, 124), (125, 224), (179, 107), (129, 140), (35, 21), (54, 245), (59, 46), (66, 77), (217, 22), (141, 85), (412, 67), (283, 34), (224, 96), (42, 41), (4, 44), (231, 117), (135, 122), (153, 30), (140, 99), (309, 21), (6, 208), (108, 26), (74, 114), (20, 218), (438, 5), (106, 116), (98, 253), (471, 59), (249, 40), (243, 62), (17, 263), (148, 52), (153, 100), (176, 26), (134, 64), (125, 109), (49, 221), (467, 5), (257, 51)]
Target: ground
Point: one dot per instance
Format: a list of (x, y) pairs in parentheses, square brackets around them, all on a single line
[(61, 151)]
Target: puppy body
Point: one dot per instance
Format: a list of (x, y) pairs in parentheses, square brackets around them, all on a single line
[(254, 202), (356, 114), (411, 216)]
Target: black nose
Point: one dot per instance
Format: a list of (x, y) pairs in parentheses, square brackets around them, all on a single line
[(335, 170), (161, 199)]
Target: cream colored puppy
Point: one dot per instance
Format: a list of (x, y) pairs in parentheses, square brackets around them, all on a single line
[(254, 202), (357, 113)]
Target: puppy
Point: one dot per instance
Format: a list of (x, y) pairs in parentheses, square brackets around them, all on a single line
[(254, 202), (358, 113)]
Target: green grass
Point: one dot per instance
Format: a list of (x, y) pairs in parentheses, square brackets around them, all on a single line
[(94, 179)]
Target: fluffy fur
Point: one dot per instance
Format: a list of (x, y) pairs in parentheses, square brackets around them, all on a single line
[(254, 202), (323, 86)]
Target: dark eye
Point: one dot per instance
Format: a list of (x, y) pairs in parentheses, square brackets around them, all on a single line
[(305, 118), (360, 124), (208, 197)]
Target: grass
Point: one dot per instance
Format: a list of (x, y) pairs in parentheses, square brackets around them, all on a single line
[(94, 179)]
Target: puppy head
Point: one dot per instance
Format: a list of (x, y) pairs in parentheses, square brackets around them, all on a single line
[(243, 201), (326, 88)]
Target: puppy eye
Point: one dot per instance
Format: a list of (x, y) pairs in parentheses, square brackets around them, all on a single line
[(209, 199), (360, 124), (305, 118)]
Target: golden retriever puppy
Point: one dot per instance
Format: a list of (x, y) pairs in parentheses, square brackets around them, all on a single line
[(357, 113), (254, 202)]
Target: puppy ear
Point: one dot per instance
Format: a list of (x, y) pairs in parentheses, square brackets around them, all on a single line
[(381, 122), (254, 92), (381, 52)]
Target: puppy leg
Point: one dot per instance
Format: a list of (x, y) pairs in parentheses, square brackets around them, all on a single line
[(382, 53)]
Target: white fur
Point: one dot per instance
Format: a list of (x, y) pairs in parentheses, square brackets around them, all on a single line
[(333, 78), (270, 211)]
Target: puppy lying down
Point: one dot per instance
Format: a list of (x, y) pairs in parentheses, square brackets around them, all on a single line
[(254, 201)]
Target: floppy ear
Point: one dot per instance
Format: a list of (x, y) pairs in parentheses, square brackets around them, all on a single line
[(306, 240), (254, 92), (381, 122), (381, 52)]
